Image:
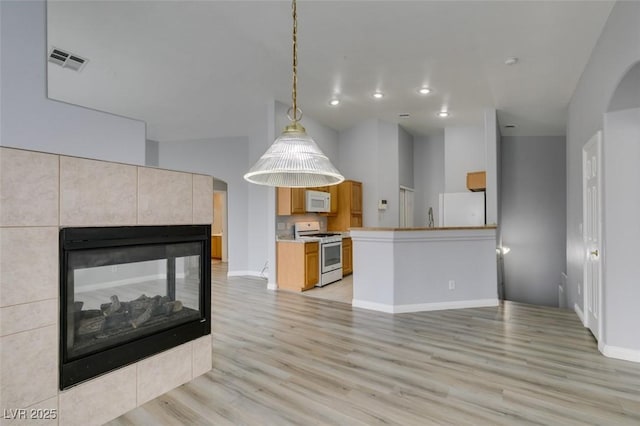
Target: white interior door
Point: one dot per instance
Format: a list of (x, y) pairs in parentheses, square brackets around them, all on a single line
[(406, 207), (592, 225)]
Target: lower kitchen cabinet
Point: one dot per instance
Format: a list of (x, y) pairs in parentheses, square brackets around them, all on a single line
[(216, 247), (297, 265), (347, 256)]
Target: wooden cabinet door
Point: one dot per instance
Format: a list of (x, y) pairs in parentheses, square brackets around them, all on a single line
[(290, 201), (312, 265), (216, 247), (356, 198), (356, 221), (333, 191), (347, 256), (297, 200)]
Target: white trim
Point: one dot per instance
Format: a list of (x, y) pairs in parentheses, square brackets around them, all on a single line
[(617, 352), (424, 307), (272, 286), (596, 140), (257, 274), (373, 306), (579, 313)]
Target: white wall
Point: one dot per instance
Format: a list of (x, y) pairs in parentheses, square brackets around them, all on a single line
[(622, 232), (369, 153), (29, 120), (225, 159), (387, 175), (533, 217), (492, 165), (405, 158), (428, 164), (616, 51), (464, 152), (358, 155)]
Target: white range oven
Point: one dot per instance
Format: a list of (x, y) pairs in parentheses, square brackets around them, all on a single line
[(330, 250)]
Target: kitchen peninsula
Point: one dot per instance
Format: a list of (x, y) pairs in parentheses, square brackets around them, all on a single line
[(422, 269)]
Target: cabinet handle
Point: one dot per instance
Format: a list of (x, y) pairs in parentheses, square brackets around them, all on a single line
[(595, 253)]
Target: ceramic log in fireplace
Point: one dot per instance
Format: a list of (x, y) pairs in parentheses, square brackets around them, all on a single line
[(130, 292)]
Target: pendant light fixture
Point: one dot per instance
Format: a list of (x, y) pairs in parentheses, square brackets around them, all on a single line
[(294, 160)]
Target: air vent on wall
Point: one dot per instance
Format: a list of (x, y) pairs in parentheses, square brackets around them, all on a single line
[(66, 59)]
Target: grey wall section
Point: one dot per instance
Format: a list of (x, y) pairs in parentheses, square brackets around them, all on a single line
[(405, 158), (621, 292), (428, 164), (358, 153), (627, 95), (225, 159), (533, 217), (29, 120), (152, 153), (369, 153), (492, 147), (386, 171), (614, 54)]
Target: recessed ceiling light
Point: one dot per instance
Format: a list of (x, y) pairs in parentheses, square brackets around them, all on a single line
[(511, 61), (443, 114), (378, 95), (424, 90), (334, 102)]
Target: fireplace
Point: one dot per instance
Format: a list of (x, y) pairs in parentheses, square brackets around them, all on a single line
[(130, 292)]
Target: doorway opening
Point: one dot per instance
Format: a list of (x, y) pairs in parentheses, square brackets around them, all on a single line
[(219, 228), (406, 207)]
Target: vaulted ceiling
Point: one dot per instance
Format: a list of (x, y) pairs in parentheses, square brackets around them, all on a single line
[(197, 69)]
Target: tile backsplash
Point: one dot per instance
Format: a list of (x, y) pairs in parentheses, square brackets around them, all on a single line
[(285, 228)]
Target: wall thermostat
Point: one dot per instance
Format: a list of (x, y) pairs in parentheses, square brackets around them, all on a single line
[(382, 205)]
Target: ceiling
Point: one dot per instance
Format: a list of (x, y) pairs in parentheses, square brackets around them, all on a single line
[(196, 70)]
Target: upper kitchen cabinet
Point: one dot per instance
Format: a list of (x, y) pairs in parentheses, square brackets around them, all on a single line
[(477, 181), (290, 201), (333, 191), (349, 214)]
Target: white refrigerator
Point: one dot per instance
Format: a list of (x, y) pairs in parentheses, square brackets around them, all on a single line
[(462, 209)]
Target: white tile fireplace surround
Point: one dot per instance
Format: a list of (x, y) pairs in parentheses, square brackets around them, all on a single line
[(39, 193)]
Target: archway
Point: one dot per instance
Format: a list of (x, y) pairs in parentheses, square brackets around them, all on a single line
[(621, 149)]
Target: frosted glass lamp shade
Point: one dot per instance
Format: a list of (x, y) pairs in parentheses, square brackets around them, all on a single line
[(294, 160)]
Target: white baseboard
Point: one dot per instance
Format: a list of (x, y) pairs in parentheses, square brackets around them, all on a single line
[(373, 306), (579, 313), (245, 274), (423, 307), (617, 352)]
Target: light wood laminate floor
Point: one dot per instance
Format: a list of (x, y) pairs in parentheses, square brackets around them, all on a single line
[(281, 358)]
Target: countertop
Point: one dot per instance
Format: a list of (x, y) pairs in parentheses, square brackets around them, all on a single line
[(445, 228), (293, 240)]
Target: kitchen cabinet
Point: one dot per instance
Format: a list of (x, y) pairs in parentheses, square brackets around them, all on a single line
[(290, 201), (477, 181), (347, 256), (333, 191), (349, 214), (216, 246), (297, 265)]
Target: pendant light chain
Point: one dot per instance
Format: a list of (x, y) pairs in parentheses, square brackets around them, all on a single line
[(294, 92), (294, 160)]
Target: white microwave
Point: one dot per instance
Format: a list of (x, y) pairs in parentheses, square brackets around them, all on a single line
[(318, 201)]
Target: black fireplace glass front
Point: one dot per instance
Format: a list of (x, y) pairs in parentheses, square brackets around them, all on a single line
[(129, 292)]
